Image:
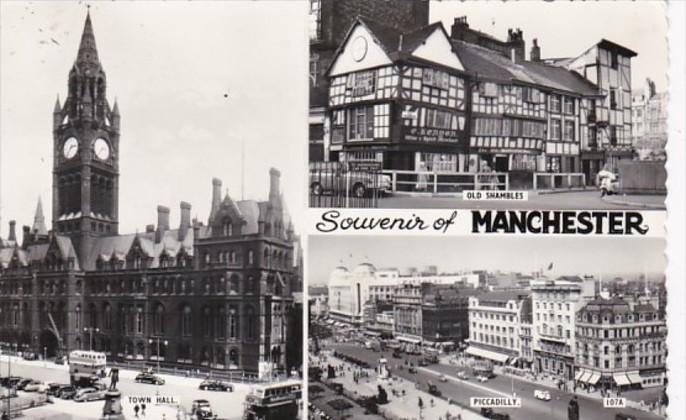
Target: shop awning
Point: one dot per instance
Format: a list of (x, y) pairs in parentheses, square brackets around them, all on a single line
[(621, 379), (634, 377), (514, 361), (409, 340), (595, 377), (579, 374), (488, 354)]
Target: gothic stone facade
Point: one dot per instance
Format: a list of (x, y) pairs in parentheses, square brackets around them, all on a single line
[(216, 295)]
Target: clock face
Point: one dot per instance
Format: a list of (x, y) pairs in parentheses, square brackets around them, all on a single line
[(71, 147), (102, 148), (359, 48)]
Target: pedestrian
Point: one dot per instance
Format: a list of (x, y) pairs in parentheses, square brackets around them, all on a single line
[(143, 409), (136, 409)]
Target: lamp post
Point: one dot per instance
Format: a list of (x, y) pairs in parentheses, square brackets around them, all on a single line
[(157, 339), (90, 330)]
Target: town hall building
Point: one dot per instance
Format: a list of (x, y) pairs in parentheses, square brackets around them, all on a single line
[(216, 296)]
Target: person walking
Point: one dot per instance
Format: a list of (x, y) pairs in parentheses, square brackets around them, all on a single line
[(136, 409)]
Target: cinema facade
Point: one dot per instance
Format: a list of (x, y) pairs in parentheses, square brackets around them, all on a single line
[(466, 102)]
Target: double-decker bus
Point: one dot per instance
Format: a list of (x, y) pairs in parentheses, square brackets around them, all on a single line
[(86, 367), (278, 401)]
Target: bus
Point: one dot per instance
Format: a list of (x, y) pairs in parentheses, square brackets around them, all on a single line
[(278, 401), (86, 367)]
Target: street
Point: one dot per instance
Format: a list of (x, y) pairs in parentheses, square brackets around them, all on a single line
[(501, 386), (587, 200), (227, 405)]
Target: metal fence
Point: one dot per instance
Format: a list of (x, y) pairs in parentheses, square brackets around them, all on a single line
[(556, 181), (446, 182), (346, 184), (234, 376)]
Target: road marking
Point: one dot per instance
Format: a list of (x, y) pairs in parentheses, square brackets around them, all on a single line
[(455, 379)]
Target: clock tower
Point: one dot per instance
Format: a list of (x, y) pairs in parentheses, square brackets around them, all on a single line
[(85, 181)]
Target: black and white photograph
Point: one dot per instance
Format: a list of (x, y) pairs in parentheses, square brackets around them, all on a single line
[(151, 208), (496, 328), (453, 104)]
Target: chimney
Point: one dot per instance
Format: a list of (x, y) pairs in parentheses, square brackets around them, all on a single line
[(162, 222), (216, 197), (149, 228), (13, 233), (185, 220), (515, 40), (460, 28), (27, 237), (535, 51), (274, 176)]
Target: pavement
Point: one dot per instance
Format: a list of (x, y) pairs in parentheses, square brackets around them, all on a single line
[(227, 405), (403, 395), (587, 200), (460, 390)]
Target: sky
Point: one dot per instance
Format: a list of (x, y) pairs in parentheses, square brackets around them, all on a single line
[(568, 255), (169, 65), (567, 29)]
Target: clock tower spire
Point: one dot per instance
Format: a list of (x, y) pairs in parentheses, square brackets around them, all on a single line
[(86, 151)]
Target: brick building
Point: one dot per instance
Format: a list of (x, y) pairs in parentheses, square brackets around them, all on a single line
[(219, 296)]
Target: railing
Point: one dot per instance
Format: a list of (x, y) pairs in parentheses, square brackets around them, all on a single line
[(446, 182), (346, 184), (554, 181), (235, 376)]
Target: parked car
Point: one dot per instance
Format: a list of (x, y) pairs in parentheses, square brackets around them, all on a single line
[(66, 392), (60, 360), (36, 386), (29, 355), (397, 355), (482, 378), (213, 385), (201, 409), (10, 381), (358, 183), (54, 388), (26, 381), (149, 378), (89, 394), (412, 369), (442, 378), (542, 395), (462, 375)]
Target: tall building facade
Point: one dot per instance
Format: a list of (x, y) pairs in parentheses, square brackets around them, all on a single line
[(620, 343), (217, 296), (496, 320), (554, 307), (649, 122)]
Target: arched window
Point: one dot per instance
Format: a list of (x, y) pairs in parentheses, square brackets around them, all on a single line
[(139, 320), (227, 227), (78, 318), (186, 325), (107, 317), (251, 257), (220, 322), (233, 322), (234, 284), (249, 322), (233, 358), (207, 321), (158, 319)]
